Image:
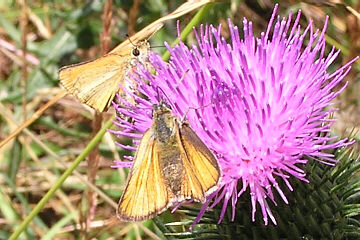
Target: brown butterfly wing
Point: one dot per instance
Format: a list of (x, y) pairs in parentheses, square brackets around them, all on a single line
[(202, 169), (95, 83), (145, 194)]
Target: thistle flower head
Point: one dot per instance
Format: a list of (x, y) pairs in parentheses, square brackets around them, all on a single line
[(260, 104)]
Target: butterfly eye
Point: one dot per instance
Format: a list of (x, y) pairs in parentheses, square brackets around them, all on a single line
[(136, 52)]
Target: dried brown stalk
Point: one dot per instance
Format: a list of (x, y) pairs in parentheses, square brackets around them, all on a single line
[(133, 14), (94, 157), (23, 26)]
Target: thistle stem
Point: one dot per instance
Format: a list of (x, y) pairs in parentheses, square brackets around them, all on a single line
[(187, 30)]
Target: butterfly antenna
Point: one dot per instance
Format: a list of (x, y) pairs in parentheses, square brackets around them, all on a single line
[(183, 76), (161, 98), (193, 108), (128, 37), (164, 94)]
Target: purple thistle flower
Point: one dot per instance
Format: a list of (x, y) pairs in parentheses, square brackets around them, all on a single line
[(262, 105)]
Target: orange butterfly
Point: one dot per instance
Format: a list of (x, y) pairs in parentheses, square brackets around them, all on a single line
[(171, 165), (95, 83)]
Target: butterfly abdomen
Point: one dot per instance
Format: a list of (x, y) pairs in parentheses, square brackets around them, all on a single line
[(172, 169)]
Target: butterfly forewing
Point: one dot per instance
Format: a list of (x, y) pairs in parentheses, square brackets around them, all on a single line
[(145, 194)]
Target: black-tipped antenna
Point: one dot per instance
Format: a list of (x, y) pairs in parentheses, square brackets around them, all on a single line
[(128, 37), (135, 51)]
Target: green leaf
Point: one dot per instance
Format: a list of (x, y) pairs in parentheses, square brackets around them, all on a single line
[(15, 160)]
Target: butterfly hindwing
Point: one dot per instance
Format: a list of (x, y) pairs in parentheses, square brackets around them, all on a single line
[(202, 169)]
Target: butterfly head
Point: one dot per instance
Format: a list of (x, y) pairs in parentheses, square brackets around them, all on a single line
[(161, 109), (140, 52), (164, 122)]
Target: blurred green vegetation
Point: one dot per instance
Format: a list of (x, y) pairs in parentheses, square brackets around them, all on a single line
[(60, 33)]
